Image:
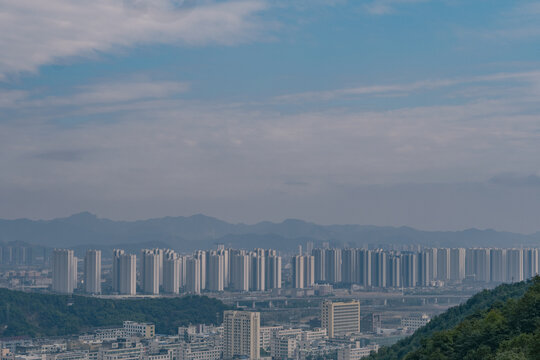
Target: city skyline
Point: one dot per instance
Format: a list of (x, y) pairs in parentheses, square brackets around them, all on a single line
[(269, 179), (164, 271)]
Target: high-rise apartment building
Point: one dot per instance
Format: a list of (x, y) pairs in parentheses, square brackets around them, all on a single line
[(201, 256), (333, 265), (92, 271), (193, 275), (225, 253), (150, 268), (498, 265), (309, 271), (457, 264), (239, 272), (161, 254), (340, 318), (443, 264), (257, 270), (303, 271), (309, 248), (320, 264), (127, 274), (363, 267), (171, 272), (478, 264), (64, 271), (273, 270), (514, 265), (378, 268), (393, 274), (348, 266), (124, 273), (424, 266), (183, 271), (297, 266), (75, 271), (241, 333), (530, 263), (116, 269), (409, 269), (433, 253), (215, 274)]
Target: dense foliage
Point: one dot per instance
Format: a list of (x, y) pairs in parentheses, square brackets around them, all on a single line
[(36, 314), (463, 329), (509, 330)]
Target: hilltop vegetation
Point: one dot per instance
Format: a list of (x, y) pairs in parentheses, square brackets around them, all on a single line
[(38, 315), (498, 324)]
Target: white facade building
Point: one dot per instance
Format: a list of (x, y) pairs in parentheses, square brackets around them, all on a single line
[(457, 264), (92, 272), (150, 268), (193, 275), (216, 271), (132, 328), (415, 321), (64, 271), (356, 353), (171, 272), (241, 334), (340, 318), (239, 274), (127, 274)]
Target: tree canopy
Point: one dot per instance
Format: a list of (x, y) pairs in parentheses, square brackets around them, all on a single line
[(494, 324), (36, 315)]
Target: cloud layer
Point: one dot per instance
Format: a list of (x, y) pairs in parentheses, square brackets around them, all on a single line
[(161, 153), (531, 77), (37, 33)]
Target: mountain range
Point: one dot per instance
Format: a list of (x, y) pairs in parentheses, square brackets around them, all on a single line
[(199, 231)]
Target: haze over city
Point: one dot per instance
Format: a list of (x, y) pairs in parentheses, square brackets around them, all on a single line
[(269, 180), (383, 112)]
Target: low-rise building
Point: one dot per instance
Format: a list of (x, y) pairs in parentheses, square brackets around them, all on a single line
[(68, 355), (144, 330), (370, 323), (162, 354), (355, 352), (415, 321), (121, 350), (283, 347), (266, 334)]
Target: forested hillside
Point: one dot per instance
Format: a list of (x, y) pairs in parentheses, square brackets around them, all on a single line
[(36, 314), (490, 325)]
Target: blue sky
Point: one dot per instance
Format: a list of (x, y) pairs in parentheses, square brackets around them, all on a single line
[(331, 111)]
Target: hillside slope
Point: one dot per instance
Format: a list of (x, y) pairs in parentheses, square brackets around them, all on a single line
[(38, 315), (484, 321)]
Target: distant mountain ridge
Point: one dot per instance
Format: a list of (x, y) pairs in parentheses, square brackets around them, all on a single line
[(201, 231)]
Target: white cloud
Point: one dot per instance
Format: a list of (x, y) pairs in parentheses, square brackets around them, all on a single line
[(116, 92), (193, 144), (9, 98), (384, 7), (36, 33), (532, 77)]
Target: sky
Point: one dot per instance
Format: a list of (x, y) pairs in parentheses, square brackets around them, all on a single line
[(424, 113)]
